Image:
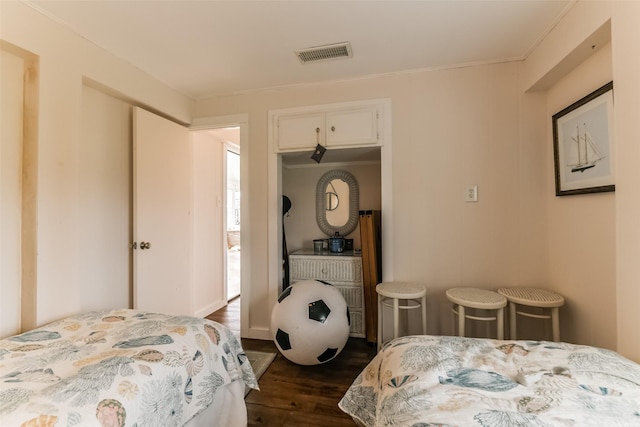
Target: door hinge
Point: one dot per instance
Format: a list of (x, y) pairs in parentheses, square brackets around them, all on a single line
[(134, 245)]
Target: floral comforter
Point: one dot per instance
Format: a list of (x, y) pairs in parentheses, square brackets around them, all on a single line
[(117, 368), (424, 381)]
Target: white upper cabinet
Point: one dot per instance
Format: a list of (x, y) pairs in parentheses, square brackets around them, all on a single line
[(353, 127), (352, 124), (297, 131)]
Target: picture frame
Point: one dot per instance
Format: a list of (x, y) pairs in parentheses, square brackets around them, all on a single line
[(583, 145)]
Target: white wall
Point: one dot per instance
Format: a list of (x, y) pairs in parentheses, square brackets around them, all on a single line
[(209, 239), (603, 288), (581, 228), (450, 128), (454, 127), (626, 69), (483, 125), (65, 60), (12, 101)]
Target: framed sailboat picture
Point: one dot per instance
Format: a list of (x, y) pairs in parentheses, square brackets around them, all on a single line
[(583, 144)]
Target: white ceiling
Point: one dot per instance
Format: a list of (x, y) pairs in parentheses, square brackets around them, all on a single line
[(208, 48)]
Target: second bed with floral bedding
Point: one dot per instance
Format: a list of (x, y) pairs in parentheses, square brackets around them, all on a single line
[(421, 381)]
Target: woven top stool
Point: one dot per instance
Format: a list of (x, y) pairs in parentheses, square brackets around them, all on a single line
[(390, 294), (533, 297), (480, 299)]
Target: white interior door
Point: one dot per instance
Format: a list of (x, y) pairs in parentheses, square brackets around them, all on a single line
[(161, 205)]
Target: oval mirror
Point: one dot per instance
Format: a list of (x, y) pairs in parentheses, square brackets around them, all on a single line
[(337, 202)]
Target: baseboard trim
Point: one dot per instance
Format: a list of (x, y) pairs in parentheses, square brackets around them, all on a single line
[(258, 334), (210, 308)]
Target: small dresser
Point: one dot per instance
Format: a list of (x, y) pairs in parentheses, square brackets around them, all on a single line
[(342, 270)]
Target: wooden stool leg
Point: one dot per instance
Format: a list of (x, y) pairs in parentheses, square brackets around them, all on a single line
[(396, 318), (461, 319), (512, 321), (500, 320), (555, 324), (379, 322), (424, 315)]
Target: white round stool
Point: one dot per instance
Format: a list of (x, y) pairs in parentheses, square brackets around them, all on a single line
[(480, 299), (390, 294), (533, 297)]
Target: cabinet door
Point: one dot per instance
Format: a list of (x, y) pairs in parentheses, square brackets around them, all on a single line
[(353, 127), (300, 131)]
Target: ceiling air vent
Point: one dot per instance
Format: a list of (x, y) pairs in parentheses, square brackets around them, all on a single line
[(324, 53)]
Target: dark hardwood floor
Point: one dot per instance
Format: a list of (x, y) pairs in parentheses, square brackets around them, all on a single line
[(294, 395)]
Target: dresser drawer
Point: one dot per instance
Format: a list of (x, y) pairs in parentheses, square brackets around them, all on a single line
[(329, 269), (352, 295), (343, 272), (357, 324)]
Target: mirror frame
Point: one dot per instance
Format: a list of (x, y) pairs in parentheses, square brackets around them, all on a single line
[(354, 198)]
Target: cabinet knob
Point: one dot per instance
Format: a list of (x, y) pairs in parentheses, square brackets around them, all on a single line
[(333, 128)]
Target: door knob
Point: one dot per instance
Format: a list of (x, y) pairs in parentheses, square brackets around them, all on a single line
[(145, 245)]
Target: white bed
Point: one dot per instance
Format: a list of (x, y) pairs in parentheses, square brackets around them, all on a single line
[(421, 381), (124, 368)]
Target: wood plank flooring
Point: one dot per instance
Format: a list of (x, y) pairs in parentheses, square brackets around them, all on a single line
[(294, 395)]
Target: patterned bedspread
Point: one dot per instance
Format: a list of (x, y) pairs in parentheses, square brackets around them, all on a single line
[(424, 381), (117, 368)]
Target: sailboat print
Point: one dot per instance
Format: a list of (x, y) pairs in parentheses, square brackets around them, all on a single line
[(587, 150)]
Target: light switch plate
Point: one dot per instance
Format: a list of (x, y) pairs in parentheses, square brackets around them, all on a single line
[(471, 193)]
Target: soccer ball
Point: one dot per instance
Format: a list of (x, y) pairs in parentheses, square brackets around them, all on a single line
[(310, 322)]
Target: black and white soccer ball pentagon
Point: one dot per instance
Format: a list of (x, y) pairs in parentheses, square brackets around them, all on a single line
[(310, 322)]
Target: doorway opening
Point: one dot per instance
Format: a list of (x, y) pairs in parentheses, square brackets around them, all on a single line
[(233, 221), (229, 136)]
